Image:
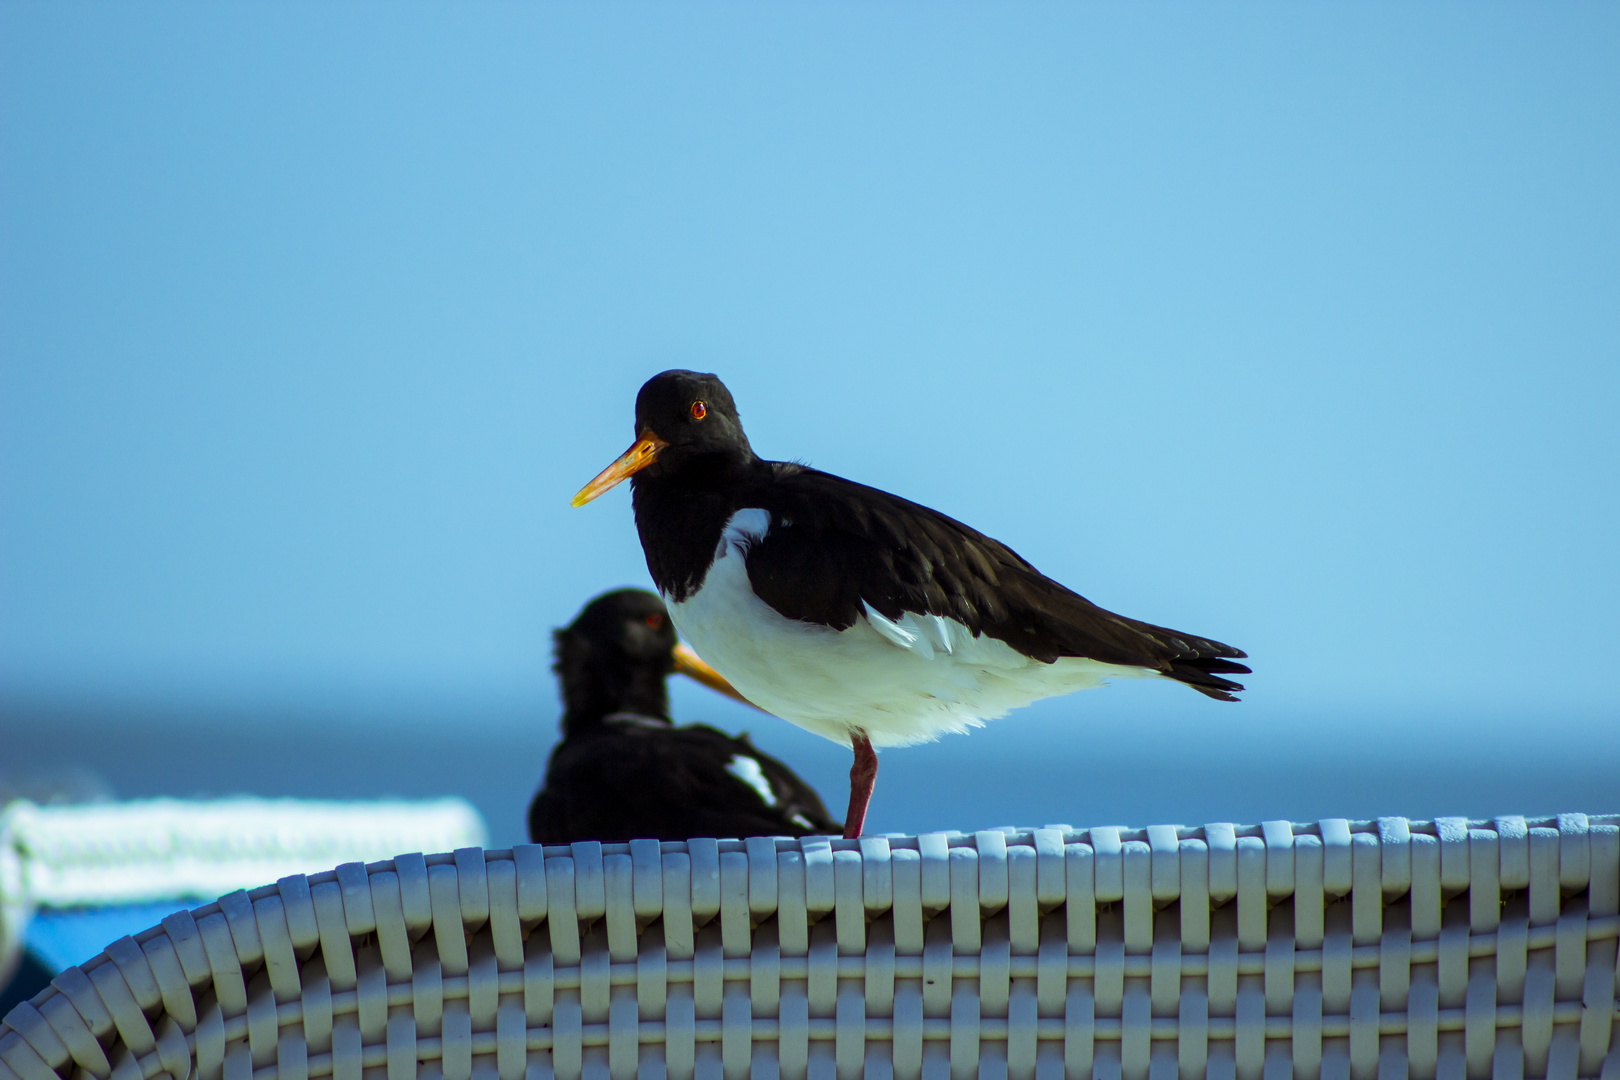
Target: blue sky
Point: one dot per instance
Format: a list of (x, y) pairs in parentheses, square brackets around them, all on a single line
[(1290, 325)]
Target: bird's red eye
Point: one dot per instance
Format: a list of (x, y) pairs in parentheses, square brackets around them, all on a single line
[(656, 621), (699, 410)]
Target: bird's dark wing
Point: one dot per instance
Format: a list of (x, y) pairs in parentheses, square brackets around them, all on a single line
[(835, 544), (794, 798), (621, 782)]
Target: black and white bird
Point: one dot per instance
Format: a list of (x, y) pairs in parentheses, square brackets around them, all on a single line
[(624, 772), (854, 613)]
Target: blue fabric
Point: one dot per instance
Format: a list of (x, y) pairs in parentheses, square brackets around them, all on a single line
[(62, 937)]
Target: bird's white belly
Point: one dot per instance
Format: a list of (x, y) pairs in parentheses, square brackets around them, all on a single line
[(901, 682)]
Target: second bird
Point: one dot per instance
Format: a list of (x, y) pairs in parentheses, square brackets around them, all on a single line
[(854, 613), (624, 772)]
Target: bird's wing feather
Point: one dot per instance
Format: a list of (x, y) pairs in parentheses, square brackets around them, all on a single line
[(835, 545), (794, 796), (626, 780)]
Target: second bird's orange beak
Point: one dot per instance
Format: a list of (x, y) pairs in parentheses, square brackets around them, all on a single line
[(691, 665), (640, 455)]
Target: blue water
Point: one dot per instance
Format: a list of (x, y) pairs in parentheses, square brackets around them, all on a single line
[(1134, 754)]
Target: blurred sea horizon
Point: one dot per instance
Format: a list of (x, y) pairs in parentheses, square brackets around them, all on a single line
[(1123, 755)]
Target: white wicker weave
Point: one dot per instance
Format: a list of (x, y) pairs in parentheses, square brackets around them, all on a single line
[(1353, 949)]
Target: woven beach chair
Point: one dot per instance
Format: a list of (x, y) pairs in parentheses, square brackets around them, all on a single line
[(1375, 949)]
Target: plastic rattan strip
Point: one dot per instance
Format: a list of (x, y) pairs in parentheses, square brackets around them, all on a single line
[(1338, 949)]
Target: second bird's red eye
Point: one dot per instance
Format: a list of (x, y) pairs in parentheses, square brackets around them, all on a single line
[(655, 621), (699, 410)]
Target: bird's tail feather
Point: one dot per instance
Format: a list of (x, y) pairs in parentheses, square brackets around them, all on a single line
[(1203, 673)]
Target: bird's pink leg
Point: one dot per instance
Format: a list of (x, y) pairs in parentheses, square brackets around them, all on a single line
[(862, 779)]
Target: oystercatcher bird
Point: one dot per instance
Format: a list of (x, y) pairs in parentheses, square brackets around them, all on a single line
[(854, 613), (624, 772)]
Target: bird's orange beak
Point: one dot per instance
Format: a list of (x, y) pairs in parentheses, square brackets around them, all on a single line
[(640, 455), (691, 665)]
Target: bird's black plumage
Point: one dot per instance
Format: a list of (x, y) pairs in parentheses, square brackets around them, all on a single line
[(623, 771), (834, 545)]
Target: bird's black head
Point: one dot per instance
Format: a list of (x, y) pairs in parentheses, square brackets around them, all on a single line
[(614, 657), (686, 426), (693, 414)]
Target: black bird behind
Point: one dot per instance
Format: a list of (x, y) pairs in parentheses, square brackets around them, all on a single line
[(623, 771)]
